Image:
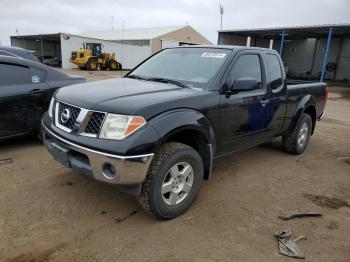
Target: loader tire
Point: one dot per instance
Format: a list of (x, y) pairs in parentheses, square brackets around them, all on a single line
[(92, 65)]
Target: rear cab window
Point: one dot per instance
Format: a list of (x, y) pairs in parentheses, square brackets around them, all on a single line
[(274, 70)]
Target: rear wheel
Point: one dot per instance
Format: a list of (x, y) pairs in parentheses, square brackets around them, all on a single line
[(297, 140), (91, 65), (173, 181)]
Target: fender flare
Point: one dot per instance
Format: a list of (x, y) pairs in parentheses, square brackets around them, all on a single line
[(169, 123), (305, 103)]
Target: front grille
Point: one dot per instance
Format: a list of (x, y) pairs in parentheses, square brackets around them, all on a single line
[(94, 125), (74, 112)]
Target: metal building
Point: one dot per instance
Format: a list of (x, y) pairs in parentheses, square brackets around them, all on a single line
[(309, 52), (130, 45), (155, 38)]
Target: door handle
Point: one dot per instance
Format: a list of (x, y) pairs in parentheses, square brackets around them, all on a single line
[(263, 102)]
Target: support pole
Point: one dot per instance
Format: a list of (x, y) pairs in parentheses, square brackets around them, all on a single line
[(325, 55), (248, 41), (42, 48), (283, 35), (271, 44), (338, 57), (313, 59)]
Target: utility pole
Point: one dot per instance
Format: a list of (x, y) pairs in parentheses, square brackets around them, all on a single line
[(112, 22), (221, 13), (122, 48)]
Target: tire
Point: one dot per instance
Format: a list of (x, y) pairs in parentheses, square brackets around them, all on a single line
[(113, 65), (92, 65), (119, 65), (161, 174), (291, 142)]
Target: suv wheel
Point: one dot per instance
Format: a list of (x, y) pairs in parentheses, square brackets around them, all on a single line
[(173, 181), (297, 140)]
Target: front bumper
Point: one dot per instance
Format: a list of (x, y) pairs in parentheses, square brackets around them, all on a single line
[(105, 167)]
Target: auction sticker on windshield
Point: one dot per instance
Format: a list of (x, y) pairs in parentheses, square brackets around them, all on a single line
[(213, 55)]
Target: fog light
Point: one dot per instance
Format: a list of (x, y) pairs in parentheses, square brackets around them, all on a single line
[(109, 171)]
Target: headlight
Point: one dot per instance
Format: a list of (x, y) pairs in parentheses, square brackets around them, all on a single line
[(51, 107), (120, 126)]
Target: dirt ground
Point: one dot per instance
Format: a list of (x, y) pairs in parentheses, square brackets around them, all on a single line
[(49, 213)]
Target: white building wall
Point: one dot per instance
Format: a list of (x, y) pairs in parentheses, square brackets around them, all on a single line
[(128, 55)]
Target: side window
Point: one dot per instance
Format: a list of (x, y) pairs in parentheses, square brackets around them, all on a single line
[(6, 53), (275, 71), (11, 74), (247, 66)]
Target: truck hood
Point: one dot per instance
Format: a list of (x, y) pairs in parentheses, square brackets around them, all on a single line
[(125, 96)]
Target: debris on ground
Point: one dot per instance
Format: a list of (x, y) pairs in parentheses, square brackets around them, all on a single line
[(118, 220), (329, 202), (287, 245), (69, 183), (188, 218), (290, 215), (344, 158), (6, 161), (332, 225)]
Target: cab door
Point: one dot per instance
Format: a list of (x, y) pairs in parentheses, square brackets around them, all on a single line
[(20, 93), (243, 118), (277, 88)]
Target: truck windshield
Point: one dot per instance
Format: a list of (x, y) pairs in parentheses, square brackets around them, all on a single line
[(188, 66)]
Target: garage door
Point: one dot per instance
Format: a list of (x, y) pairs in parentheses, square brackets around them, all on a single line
[(169, 43)]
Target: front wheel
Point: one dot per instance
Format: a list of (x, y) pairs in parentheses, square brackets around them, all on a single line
[(113, 65), (173, 181), (297, 140), (92, 65)]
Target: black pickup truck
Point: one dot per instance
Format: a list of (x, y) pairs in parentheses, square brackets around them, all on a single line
[(156, 132)]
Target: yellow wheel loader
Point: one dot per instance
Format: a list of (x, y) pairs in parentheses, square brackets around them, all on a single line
[(91, 58)]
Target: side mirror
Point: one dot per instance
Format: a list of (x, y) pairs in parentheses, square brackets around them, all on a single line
[(244, 84)]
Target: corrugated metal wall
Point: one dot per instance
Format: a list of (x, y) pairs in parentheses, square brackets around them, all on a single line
[(303, 57), (343, 69), (52, 48)]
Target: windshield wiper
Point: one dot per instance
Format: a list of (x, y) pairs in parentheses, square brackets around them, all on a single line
[(166, 80), (136, 77)]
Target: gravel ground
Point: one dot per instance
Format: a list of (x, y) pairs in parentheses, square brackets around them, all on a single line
[(49, 213)]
